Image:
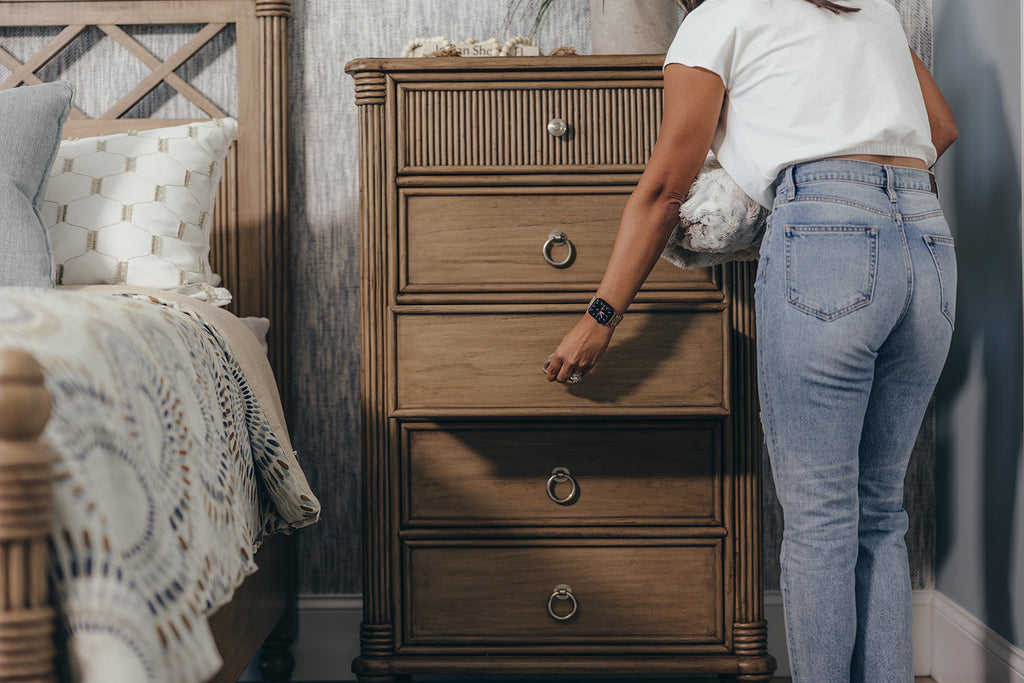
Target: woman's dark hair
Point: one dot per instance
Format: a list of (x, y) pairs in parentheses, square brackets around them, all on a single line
[(690, 5)]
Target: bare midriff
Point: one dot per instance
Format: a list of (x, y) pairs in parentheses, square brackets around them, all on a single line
[(909, 162)]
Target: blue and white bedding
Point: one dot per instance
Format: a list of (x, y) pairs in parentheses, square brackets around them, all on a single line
[(174, 463)]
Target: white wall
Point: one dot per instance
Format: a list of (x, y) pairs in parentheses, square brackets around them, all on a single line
[(980, 400)]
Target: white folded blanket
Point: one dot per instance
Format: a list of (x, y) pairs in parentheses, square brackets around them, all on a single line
[(718, 222)]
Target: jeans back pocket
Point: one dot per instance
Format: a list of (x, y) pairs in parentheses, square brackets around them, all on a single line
[(944, 255), (830, 269)]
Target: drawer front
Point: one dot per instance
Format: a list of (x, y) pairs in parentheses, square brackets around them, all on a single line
[(490, 594), (664, 362), (445, 127), (564, 474), (485, 241)]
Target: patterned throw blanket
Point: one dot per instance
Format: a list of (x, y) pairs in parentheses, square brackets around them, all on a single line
[(170, 474)]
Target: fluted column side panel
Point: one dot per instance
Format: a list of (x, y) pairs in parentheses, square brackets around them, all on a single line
[(274, 234), (377, 634)]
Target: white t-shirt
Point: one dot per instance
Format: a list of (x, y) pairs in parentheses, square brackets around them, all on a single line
[(803, 83)]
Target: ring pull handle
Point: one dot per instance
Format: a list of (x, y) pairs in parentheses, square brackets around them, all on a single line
[(560, 475), (558, 127), (558, 239), (562, 593)]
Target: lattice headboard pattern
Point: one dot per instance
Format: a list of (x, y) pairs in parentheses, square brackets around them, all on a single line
[(45, 40)]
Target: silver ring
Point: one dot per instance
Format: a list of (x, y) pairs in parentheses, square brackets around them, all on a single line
[(575, 377)]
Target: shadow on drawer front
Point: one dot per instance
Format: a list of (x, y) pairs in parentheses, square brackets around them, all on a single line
[(580, 592), (468, 240), (663, 362), (564, 474)]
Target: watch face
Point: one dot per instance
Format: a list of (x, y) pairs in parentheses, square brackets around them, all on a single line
[(602, 312)]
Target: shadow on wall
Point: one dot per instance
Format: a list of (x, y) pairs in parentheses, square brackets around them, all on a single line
[(986, 219)]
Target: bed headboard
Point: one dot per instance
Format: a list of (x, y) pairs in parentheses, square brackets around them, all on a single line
[(249, 243)]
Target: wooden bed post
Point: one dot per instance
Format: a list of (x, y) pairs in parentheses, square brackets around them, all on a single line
[(276, 659), (27, 621)]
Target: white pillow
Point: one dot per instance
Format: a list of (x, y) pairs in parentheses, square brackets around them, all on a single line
[(137, 208)]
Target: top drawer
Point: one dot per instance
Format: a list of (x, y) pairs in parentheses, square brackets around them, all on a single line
[(491, 127)]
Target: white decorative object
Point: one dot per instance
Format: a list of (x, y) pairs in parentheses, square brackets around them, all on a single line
[(137, 208), (421, 47), (718, 222)]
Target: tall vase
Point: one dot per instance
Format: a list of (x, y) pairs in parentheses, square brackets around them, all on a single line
[(627, 27)]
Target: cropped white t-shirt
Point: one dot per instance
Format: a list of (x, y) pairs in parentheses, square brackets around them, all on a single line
[(803, 83)]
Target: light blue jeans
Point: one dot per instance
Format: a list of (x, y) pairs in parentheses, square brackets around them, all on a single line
[(855, 297)]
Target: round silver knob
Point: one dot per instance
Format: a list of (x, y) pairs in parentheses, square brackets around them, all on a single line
[(562, 592), (558, 127)]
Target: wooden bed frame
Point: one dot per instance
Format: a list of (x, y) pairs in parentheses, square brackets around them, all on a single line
[(249, 250)]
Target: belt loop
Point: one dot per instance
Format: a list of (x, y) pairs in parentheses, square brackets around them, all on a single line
[(790, 182), (890, 182)]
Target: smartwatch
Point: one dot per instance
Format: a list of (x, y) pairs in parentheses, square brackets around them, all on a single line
[(601, 311)]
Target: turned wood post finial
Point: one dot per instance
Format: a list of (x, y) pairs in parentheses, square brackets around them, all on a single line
[(24, 401), (25, 479)]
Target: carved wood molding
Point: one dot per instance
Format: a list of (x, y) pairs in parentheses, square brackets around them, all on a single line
[(370, 88), (273, 8)]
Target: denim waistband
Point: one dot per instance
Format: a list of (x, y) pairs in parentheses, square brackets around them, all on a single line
[(895, 177)]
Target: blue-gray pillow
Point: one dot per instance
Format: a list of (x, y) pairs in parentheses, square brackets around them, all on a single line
[(31, 119)]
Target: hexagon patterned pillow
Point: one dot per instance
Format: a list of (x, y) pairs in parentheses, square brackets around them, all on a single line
[(137, 208)]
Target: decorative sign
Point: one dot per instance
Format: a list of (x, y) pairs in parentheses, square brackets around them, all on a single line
[(471, 47)]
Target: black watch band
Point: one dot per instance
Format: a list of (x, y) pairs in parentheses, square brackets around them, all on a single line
[(601, 311)]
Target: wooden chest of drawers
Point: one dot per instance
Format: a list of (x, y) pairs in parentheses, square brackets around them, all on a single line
[(517, 526)]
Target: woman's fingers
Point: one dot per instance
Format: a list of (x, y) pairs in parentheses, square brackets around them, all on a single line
[(566, 372), (579, 352)]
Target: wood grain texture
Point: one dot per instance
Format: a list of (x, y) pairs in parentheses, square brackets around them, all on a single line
[(664, 362), (456, 410), (494, 240), (497, 595), (476, 474)]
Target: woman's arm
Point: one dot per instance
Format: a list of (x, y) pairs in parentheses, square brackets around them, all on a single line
[(940, 116), (693, 104)]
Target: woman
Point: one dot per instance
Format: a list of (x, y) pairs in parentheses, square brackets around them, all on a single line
[(820, 111)]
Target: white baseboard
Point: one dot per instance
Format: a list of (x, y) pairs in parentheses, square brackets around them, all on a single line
[(964, 650), (950, 645)]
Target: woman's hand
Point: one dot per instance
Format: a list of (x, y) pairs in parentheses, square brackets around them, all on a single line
[(693, 107), (579, 351)]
